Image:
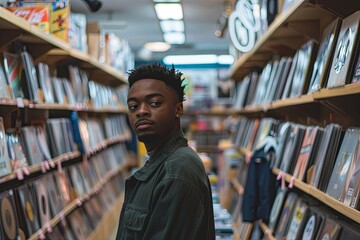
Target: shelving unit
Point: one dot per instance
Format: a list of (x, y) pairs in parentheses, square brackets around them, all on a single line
[(57, 53), (304, 20)]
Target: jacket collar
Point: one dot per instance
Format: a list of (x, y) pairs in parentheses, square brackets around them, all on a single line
[(158, 157)]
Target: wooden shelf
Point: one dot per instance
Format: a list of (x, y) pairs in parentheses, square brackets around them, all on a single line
[(323, 197), (40, 167), (301, 22), (266, 230), (42, 46)]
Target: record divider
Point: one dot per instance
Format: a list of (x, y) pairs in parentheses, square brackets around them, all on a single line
[(323, 197), (78, 202)]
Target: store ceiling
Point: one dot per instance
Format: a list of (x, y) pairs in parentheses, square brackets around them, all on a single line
[(138, 24)]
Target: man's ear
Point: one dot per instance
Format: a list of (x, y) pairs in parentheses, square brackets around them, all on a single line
[(179, 109)]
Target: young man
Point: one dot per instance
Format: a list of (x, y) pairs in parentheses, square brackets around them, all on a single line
[(170, 196)]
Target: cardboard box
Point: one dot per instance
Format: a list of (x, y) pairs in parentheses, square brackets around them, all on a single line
[(96, 41), (35, 15)]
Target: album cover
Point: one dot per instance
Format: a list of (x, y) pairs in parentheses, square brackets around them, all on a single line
[(356, 72), (288, 81), (292, 148), (282, 137), (32, 150), (325, 156), (286, 215), (241, 92), (298, 220), (312, 222), (16, 149), (254, 78), (283, 78), (276, 208), (30, 87), (74, 76), (329, 229), (5, 165), (303, 70), (42, 201), (13, 71), (69, 91), (346, 47), (45, 82), (344, 161), (64, 188), (76, 180), (349, 231), (84, 86), (92, 213), (27, 209), (352, 185), (306, 154), (58, 89), (77, 224), (324, 56), (55, 136), (57, 202), (262, 83), (272, 81), (43, 145), (8, 216), (4, 87)]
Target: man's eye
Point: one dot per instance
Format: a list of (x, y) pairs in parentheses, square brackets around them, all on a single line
[(155, 104), (132, 107)]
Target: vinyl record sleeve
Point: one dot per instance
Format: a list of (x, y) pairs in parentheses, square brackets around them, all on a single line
[(8, 216), (324, 56), (349, 231), (322, 153), (286, 215), (344, 161), (43, 145), (58, 90), (74, 76), (42, 201), (282, 136), (329, 229), (32, 149), (298, 220), (4, 87), (346, 45), (282, 78), (28, 208), (352, 185), (77, 224), (56, 200), (5, 165), (276, 208), (69, 91), (309, 144), (84, 86), (77, 180), (312, 225), (45, 82), (13, 71), (16, 149), (30, 75)]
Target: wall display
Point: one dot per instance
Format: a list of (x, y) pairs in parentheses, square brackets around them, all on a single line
[(244, 23), (13, 70), (324, 56), (45, 82), (344, 161), (9, 218), (343, 60)]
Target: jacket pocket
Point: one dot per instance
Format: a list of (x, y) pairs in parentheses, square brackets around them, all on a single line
[(134, 220)]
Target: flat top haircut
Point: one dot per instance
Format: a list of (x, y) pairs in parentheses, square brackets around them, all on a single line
[(170, 76)]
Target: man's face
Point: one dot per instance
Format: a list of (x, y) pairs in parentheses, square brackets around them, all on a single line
[(153, 107)]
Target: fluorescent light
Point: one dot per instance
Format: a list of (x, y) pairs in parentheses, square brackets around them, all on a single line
[(225, 59), (174, 37), (172, 26), (190, 59), (157, 46), (198, 59), (165, 11), (164, 1)]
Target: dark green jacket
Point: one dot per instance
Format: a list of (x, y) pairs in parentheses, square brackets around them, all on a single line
[(169, 197)]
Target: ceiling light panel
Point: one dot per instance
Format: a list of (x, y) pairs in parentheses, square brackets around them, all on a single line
[(166, 11), (174, 37), (172, 26)]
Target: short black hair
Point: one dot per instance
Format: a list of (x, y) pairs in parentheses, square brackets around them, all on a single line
[(170, 76)]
